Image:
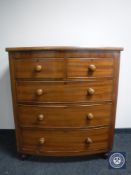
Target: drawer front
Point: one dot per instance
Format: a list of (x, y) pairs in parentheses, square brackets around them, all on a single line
[(40, 68), (64, 92), (65, 141), (65, 116), (83, 68)]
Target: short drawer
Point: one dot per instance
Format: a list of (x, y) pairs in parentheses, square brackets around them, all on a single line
[(65, 142), (64, 91), (39, 68), (87, 68), (78, 116)]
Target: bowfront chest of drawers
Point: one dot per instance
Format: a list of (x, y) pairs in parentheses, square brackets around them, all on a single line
[(64, 99)]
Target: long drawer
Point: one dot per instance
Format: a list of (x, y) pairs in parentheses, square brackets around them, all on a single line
[(78, 116), (64, 91), (64, 142)]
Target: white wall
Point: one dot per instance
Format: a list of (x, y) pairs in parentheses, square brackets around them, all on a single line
[(66, 22)]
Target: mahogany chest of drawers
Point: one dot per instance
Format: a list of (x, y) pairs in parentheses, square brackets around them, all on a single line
[(64, 99)]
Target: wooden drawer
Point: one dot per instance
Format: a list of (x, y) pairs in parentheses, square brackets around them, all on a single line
[(64, 92), (83, 67), (77, 116), (64, 142), (39, 68)]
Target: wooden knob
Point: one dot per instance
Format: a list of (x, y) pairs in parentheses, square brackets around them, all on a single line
[(88, 140), (90, 116), (41, 141), (38, 68), (92, 67), (40, 117), (91, 91), (39, 92)]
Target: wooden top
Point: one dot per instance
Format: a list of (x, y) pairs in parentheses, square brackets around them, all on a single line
[(63, 48)]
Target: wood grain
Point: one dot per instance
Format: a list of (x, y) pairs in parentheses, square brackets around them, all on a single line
[(40, 54), (64, 116), (79, 67), (65, 142), (61, 92), (51, 68), (66, 48), (64, 99)]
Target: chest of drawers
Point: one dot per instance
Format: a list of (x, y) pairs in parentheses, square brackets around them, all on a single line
[(64, 99)]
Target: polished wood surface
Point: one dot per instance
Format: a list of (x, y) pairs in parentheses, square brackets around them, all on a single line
[(65, 141), (82, 67), (59, 116), (66, 48), (48, 68), (64, 99), (44, 54), (64, 92), (55, 68)]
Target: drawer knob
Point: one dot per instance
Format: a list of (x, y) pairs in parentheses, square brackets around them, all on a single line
[(92, 67), (90, 116), (40, 117), (41, 141), (91, 91), (88, 140), (38, 68), (39, 92)]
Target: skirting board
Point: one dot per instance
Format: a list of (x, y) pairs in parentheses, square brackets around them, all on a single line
[(117, 130)]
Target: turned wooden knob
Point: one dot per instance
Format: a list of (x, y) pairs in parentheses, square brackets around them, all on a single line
[(90, 116), (88, 140), (41, 141), (92, 67), (39, 92), (40, 117), (91, 91), (38, 68)]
